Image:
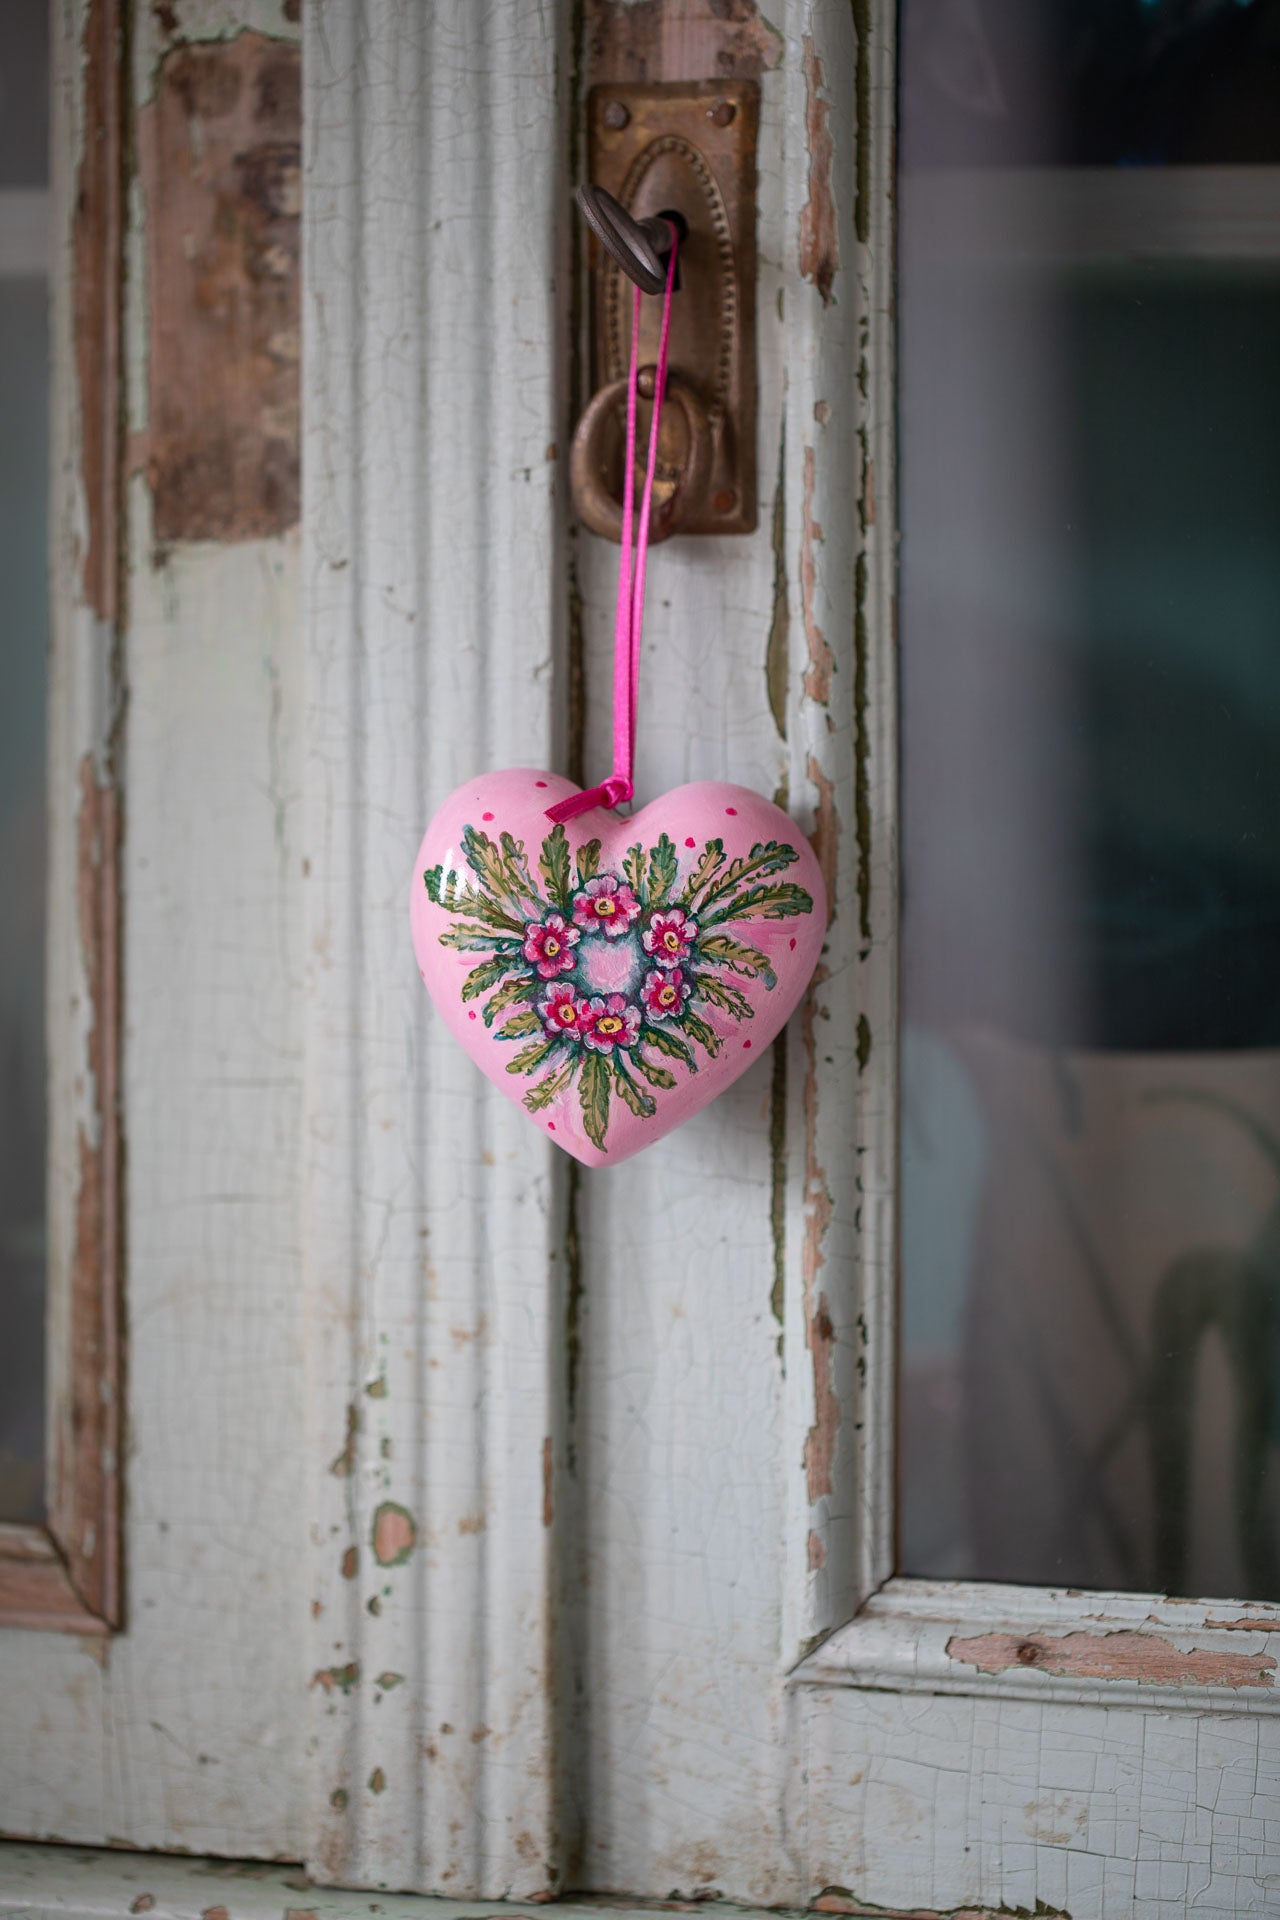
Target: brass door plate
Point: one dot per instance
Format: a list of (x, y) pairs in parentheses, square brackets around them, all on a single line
[(688, 147)]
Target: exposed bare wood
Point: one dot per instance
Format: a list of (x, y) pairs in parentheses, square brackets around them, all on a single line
[(35, 1586), (680, 40), (219, 150)]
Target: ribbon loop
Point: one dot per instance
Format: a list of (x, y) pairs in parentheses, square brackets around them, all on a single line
[(629, 611)]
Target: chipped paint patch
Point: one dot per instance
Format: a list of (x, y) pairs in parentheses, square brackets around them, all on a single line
[(775, 653), (219, 150), (341, 1678), (822, 661), (778, 1186), (98, 283), (388, 1680), (351, 1563), (377, 1781), (862, 750), (1149, 1659), (819, 246), (84, 1517), (472, 1523), (826, 831), (343, 1464), (817, 1551), (820, 1444), (394, 1534)]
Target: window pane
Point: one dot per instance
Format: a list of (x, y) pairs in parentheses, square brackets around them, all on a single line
[(24, 408), (1089, 308)]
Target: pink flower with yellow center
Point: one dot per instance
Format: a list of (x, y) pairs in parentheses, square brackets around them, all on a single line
[(615, 1022), (562, 1013), (549, 945), (605, 905), (669, 936), (664, 994)]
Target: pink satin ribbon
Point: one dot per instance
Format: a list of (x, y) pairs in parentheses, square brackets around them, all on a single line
[(629, 613)]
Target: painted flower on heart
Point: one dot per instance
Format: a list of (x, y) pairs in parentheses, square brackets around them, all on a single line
[(669, 936), (562, 1012), (664, 993), (606, 906), (615, 1022), (613, 983), (549, 945)]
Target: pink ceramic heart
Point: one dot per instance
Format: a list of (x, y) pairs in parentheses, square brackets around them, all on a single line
[(614, 975)]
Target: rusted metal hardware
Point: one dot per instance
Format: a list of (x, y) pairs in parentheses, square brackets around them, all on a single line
[(685, 150)]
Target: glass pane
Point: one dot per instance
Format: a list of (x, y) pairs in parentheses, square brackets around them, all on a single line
[(1089, 311), (24, 409)]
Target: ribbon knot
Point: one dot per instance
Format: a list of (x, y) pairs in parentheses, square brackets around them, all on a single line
[(629, 613)]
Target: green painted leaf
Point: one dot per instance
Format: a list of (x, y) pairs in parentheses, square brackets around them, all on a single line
[(519, 1024), (731, 953), (781, 901), (633, 871), (588, 862), (593, 1092), (669, 1042), (662, 871), (655, 1075), (532, 1056), (640, 1103), (554, 866), (518, 867), (697, 1029), (473, 939), (767, 856), (722, 994), (487, 974), (520, 988), (545, 1090), (709, 860), (489, 865), (450, 891)]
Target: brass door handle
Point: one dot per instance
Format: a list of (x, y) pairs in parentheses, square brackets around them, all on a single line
[(683, 466)]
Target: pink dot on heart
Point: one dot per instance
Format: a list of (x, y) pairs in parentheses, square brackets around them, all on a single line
[(746, 1043), (539, 783), (793, 946), (731, 809), (551, 1125), (691, 842), (486, 816), (472, 1014)]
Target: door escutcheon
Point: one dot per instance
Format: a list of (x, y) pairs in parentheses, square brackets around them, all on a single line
[(688, 148)]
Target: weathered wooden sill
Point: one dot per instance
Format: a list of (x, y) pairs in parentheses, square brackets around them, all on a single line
[(1039, 1643), (55, 1882)]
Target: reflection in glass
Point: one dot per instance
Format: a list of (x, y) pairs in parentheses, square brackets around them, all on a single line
[(1089, 306), (24, 405)]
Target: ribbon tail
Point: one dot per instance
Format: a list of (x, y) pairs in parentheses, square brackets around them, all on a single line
[(610, 793)]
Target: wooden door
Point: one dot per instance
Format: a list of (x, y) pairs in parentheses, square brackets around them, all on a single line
[(495, 1529)]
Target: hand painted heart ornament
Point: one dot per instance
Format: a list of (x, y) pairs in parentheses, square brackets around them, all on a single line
[(614, 975)]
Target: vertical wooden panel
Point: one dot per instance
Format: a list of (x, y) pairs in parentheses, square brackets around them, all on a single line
[(434, 204), (179, 1732), (724, 1335)]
